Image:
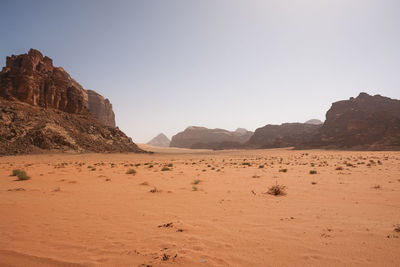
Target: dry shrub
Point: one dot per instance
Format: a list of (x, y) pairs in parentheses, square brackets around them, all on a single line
[(277, 190)]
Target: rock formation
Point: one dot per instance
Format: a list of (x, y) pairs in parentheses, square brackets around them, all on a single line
[(201, 137), (284, 135), (32, 78), (101, 108), (364, 122), (42, 108), (160, 140)]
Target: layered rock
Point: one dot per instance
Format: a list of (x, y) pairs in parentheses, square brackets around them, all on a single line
[(201, 137), (101, 108), (284, 135), (160, 140), (43, 109), (364, 122), (32, 78)]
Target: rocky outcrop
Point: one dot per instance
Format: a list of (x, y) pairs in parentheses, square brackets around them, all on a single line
[(32, 78), (364, 122), (160, 140), (201, 137), (101, 108), (26, 129), (43, 109), (284, 135)]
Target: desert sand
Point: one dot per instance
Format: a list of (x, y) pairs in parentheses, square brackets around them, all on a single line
[(209, 209)]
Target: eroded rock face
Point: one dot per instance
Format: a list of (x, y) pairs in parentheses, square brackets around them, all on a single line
[(28, 129), (364, 122), (43, 109), (32, 78), (201, 137), (284, 135), (101, 108)]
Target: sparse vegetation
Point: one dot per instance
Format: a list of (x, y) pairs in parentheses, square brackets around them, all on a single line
[(313, 172), (194, 188), (21, 174), (397, 228), (170, 165), (197, 181), (339, 168), (283, 170), (165, 169), (277, 190), (377, 187), (154, 190), (131, 171), (261, 166)]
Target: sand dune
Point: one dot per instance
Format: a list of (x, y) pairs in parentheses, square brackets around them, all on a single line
[(209, 209)]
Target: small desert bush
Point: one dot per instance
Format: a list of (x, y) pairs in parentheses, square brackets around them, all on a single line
[(131, 171), (377, 187), (283, 170), (165, 169), (170, 165), (154, 190), (339, 168), (197, 181), (397, 228), (277, 190), (246, 163), (261, 166), (313, 172), (21, 174), (194, 188)]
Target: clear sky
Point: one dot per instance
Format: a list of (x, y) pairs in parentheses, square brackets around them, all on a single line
[(169, 64)]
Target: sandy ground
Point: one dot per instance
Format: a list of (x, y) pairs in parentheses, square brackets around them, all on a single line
[(84, 209)]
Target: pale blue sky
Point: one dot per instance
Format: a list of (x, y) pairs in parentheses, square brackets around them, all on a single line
[(169, 64)]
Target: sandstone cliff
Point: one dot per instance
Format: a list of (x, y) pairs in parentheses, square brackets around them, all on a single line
[(364, 122), (284, 135), (32, 78), (43, 109), (101, 108), (201, 137)]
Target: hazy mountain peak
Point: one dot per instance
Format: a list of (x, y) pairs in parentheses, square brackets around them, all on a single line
[(160, 140), (314, 121)]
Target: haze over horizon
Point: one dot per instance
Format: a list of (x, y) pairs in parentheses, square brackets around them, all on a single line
[(167, 65)]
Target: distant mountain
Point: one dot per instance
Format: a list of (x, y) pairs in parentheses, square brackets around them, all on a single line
[(160, 140), (314, 121), (284, 135), (201, 137), (364, 122)]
